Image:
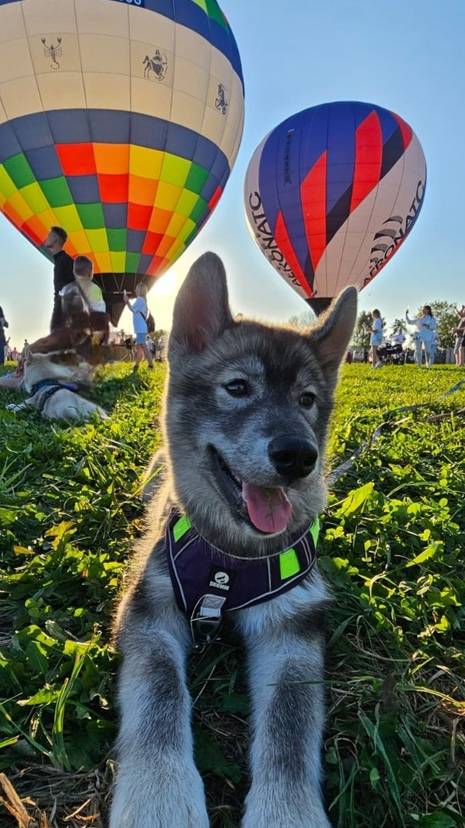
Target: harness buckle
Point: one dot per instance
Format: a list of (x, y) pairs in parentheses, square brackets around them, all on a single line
[(206, 620)]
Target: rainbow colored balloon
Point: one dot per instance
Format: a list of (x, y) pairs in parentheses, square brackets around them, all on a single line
[(332, 193), (120, 120)]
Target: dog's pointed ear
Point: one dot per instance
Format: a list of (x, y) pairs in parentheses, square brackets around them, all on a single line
[(332, 334), (201, 311)]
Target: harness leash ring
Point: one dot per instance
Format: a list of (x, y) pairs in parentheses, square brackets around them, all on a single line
[(206, 619)]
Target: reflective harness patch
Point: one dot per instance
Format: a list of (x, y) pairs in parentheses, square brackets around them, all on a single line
[(208, 582)]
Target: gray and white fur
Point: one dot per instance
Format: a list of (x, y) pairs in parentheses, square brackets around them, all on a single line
[(215, 438)]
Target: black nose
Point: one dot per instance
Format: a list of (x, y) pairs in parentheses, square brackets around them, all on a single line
[(292, 457)]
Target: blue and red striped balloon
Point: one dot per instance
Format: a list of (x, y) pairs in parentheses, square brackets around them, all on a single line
[(332, 193)]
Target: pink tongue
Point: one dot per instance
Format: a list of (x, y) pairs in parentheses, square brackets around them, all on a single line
[(269, 509)]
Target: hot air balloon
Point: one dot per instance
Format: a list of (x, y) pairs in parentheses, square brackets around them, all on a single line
[(120, 121), (332, 193)]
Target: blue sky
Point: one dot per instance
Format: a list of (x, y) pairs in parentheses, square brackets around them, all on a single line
[(406, 57)]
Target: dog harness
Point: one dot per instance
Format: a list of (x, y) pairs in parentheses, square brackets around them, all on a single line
[(208, 582), (49, 388)]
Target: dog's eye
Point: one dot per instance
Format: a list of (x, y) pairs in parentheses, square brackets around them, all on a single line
[(307, 399), (237, 388)]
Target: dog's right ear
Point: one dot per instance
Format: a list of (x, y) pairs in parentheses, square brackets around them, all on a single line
[(201, 311)]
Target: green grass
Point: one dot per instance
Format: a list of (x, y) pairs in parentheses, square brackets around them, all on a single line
[(392, 549)]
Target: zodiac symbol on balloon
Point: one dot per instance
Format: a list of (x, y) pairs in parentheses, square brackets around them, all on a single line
[(156, 66), (221, 103), (53, 52)]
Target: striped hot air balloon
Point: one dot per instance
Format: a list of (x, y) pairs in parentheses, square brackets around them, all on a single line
[(332, 193), (120, 121)]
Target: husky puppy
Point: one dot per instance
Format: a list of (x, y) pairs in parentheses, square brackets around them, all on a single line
[(246, 414), (46, 377)]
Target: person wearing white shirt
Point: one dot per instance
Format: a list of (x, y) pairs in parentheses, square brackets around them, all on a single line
[(3, 340), (376, 337), (140, 313), (426, 326), (83, 272), (460, 339)]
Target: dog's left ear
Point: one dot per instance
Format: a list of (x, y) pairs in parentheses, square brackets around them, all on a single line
[(332, 335), (201, 311)]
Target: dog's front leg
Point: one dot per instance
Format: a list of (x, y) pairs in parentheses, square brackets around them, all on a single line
[(158, 785), (286, 675)]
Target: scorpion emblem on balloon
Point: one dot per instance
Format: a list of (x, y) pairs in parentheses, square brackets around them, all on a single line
[(53, 52)]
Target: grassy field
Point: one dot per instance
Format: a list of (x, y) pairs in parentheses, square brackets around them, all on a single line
[(392, 549)]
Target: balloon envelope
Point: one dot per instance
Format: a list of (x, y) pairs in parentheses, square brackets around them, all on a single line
[(120, 121), (332, 193)]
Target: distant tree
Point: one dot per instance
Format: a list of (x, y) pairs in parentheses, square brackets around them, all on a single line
[(399, 325), (447, 317), (361, 337)]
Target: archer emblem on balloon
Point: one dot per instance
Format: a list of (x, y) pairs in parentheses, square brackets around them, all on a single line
[(332, 193), (221, 103), (156, 66)]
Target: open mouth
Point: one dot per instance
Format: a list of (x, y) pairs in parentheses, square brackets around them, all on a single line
[(267, 508)]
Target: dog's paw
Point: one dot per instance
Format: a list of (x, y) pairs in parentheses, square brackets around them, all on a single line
[(263, 821), (264, 812), (158, 801)]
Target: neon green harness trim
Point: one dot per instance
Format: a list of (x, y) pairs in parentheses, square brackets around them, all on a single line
[(288, 560)]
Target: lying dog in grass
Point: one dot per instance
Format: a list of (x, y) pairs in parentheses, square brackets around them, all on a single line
[(53, 382), (56, 366), (232, 535)]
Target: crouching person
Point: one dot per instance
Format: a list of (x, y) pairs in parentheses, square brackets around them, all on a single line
[(93, 297)]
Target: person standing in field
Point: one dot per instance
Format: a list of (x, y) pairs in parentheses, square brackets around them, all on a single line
[(426, 326), (434, 346), (376, 337), (3, 325), (460, 339), (151, 346), (62, 272), (140, 313)]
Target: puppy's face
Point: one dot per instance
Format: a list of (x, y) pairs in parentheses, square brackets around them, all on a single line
[(247, 412)]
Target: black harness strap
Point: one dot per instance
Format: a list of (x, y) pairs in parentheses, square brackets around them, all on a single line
[(50, 387)]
